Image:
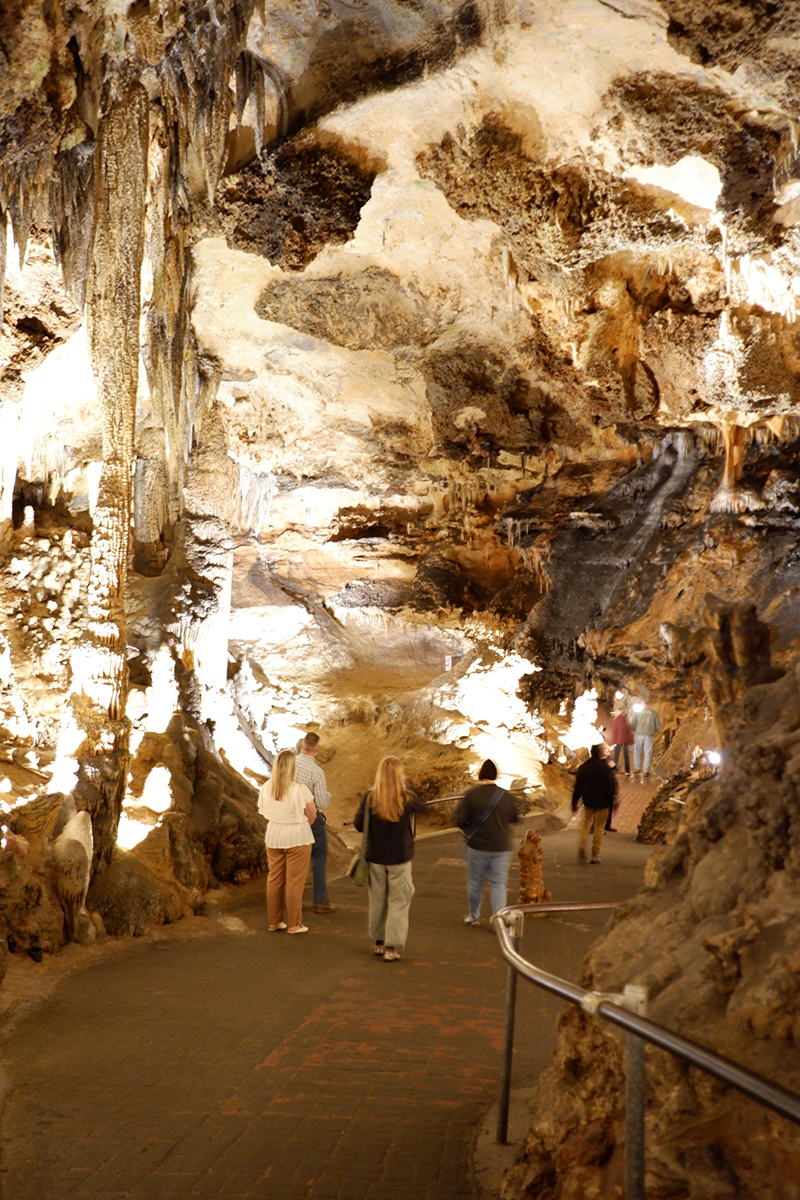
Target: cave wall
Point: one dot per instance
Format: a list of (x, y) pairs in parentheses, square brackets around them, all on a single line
[(712, 940), (462, 359)]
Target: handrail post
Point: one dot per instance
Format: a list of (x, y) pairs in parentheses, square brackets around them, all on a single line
[(514, 922), (634, 999)]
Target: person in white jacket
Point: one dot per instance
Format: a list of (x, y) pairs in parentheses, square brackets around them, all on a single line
[(290, 812)]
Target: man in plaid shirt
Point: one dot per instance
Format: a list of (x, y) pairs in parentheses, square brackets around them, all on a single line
[(312, 775)]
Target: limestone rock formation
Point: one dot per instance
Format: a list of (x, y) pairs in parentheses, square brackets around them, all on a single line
[(531, 881), (30, 914), (412, 373), (72, 860), (713, 941)]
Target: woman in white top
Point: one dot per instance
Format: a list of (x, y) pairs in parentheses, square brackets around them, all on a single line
[(290, 811)]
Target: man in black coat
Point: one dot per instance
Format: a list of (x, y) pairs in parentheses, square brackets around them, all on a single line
[(596, 785)]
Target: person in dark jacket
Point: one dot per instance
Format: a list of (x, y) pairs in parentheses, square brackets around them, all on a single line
[(485, 816), (390, 849), (596, 786)]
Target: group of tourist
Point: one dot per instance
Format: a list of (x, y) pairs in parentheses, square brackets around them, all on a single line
[(292, 801), (639, 734), (596, 780), (294, 798)]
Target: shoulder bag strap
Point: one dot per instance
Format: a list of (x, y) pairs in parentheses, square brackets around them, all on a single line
[(498, 791), (365, 832)]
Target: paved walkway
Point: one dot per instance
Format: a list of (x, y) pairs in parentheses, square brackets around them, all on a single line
[(217, 1059)]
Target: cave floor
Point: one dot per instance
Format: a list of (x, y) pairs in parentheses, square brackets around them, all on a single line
[(212, 1058)]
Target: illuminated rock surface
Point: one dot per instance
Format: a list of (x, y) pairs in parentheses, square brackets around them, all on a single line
[(450, 409)]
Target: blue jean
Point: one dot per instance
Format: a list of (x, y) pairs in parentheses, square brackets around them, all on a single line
[(642, 741), (319, 859), (623, 747), (482, 865)]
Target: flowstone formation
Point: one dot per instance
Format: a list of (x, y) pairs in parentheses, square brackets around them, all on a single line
[(411, 373)]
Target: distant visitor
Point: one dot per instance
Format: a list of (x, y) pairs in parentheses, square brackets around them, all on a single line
[(621, 738), (596, 786), (645, 726)]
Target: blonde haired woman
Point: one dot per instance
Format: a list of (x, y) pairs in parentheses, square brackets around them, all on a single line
[(390, 848), (290, 811)]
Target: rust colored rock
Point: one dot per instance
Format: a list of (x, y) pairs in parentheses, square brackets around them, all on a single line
[(531, 881)]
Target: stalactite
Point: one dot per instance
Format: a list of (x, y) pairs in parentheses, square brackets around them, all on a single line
[(23, 186), (759, 434), (151, 511), (516, 530), (252, 72), (711, 438), (679, 440), (194, 77), (273, 74), (99, 662), (256, 491), (790, 428), (532, 561), (196, 107), (72, 214)]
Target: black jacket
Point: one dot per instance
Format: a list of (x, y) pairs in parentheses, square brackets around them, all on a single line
[(494, 834), (595, 784), (389, 842)]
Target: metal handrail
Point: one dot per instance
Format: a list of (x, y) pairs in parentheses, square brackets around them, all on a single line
[(520, 791), (619, 1010), (447, 799)]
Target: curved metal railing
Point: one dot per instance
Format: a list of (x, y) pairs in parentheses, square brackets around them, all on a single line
[(626, 1010), (524, 792)]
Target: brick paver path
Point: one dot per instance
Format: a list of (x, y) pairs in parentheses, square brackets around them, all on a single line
[(250, 1064)]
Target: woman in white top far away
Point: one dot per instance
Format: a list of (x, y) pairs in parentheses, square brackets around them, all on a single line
[(290, 811)]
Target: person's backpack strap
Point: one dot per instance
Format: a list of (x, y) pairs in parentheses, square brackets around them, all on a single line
[(498, 791)]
